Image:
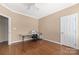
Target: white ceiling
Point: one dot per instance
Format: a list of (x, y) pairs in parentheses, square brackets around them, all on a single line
[(37, 10)]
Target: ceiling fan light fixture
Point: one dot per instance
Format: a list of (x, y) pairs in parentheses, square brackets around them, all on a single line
[(30, 6)]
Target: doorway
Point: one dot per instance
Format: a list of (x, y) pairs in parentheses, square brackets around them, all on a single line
[(5, 29), (68, 30)]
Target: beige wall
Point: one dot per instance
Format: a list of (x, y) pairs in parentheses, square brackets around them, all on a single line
[(23, 24), (50, 25)]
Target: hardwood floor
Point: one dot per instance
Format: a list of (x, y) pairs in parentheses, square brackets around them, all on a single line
[(39, 47)]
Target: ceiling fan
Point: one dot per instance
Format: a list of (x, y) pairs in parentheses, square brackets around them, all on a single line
[(30, 6)]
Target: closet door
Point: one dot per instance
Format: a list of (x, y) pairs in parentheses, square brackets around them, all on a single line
[(68, 30)]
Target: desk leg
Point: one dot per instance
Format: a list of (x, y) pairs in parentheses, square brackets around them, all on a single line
[(23, 44)]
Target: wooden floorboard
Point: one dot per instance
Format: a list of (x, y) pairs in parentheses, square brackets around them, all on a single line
[(39, 47)]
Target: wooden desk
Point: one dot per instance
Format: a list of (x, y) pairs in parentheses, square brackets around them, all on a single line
[(30, 36), (23, 36)]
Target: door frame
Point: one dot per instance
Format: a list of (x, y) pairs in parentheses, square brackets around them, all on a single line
[(75, 33), (9, 27), (60, 30)]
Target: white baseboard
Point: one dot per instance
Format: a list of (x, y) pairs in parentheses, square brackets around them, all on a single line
[(43, 39), (15, 42), (52, 41), (58, 43), (30, 39), (18, 41), (3, 41)]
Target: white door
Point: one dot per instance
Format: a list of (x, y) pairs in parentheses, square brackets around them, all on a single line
[(68, 30)]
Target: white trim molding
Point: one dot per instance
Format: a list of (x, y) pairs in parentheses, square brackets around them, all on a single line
[(52, 41), (39, 16), (57, 43), (19, 41), (16, 11)]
